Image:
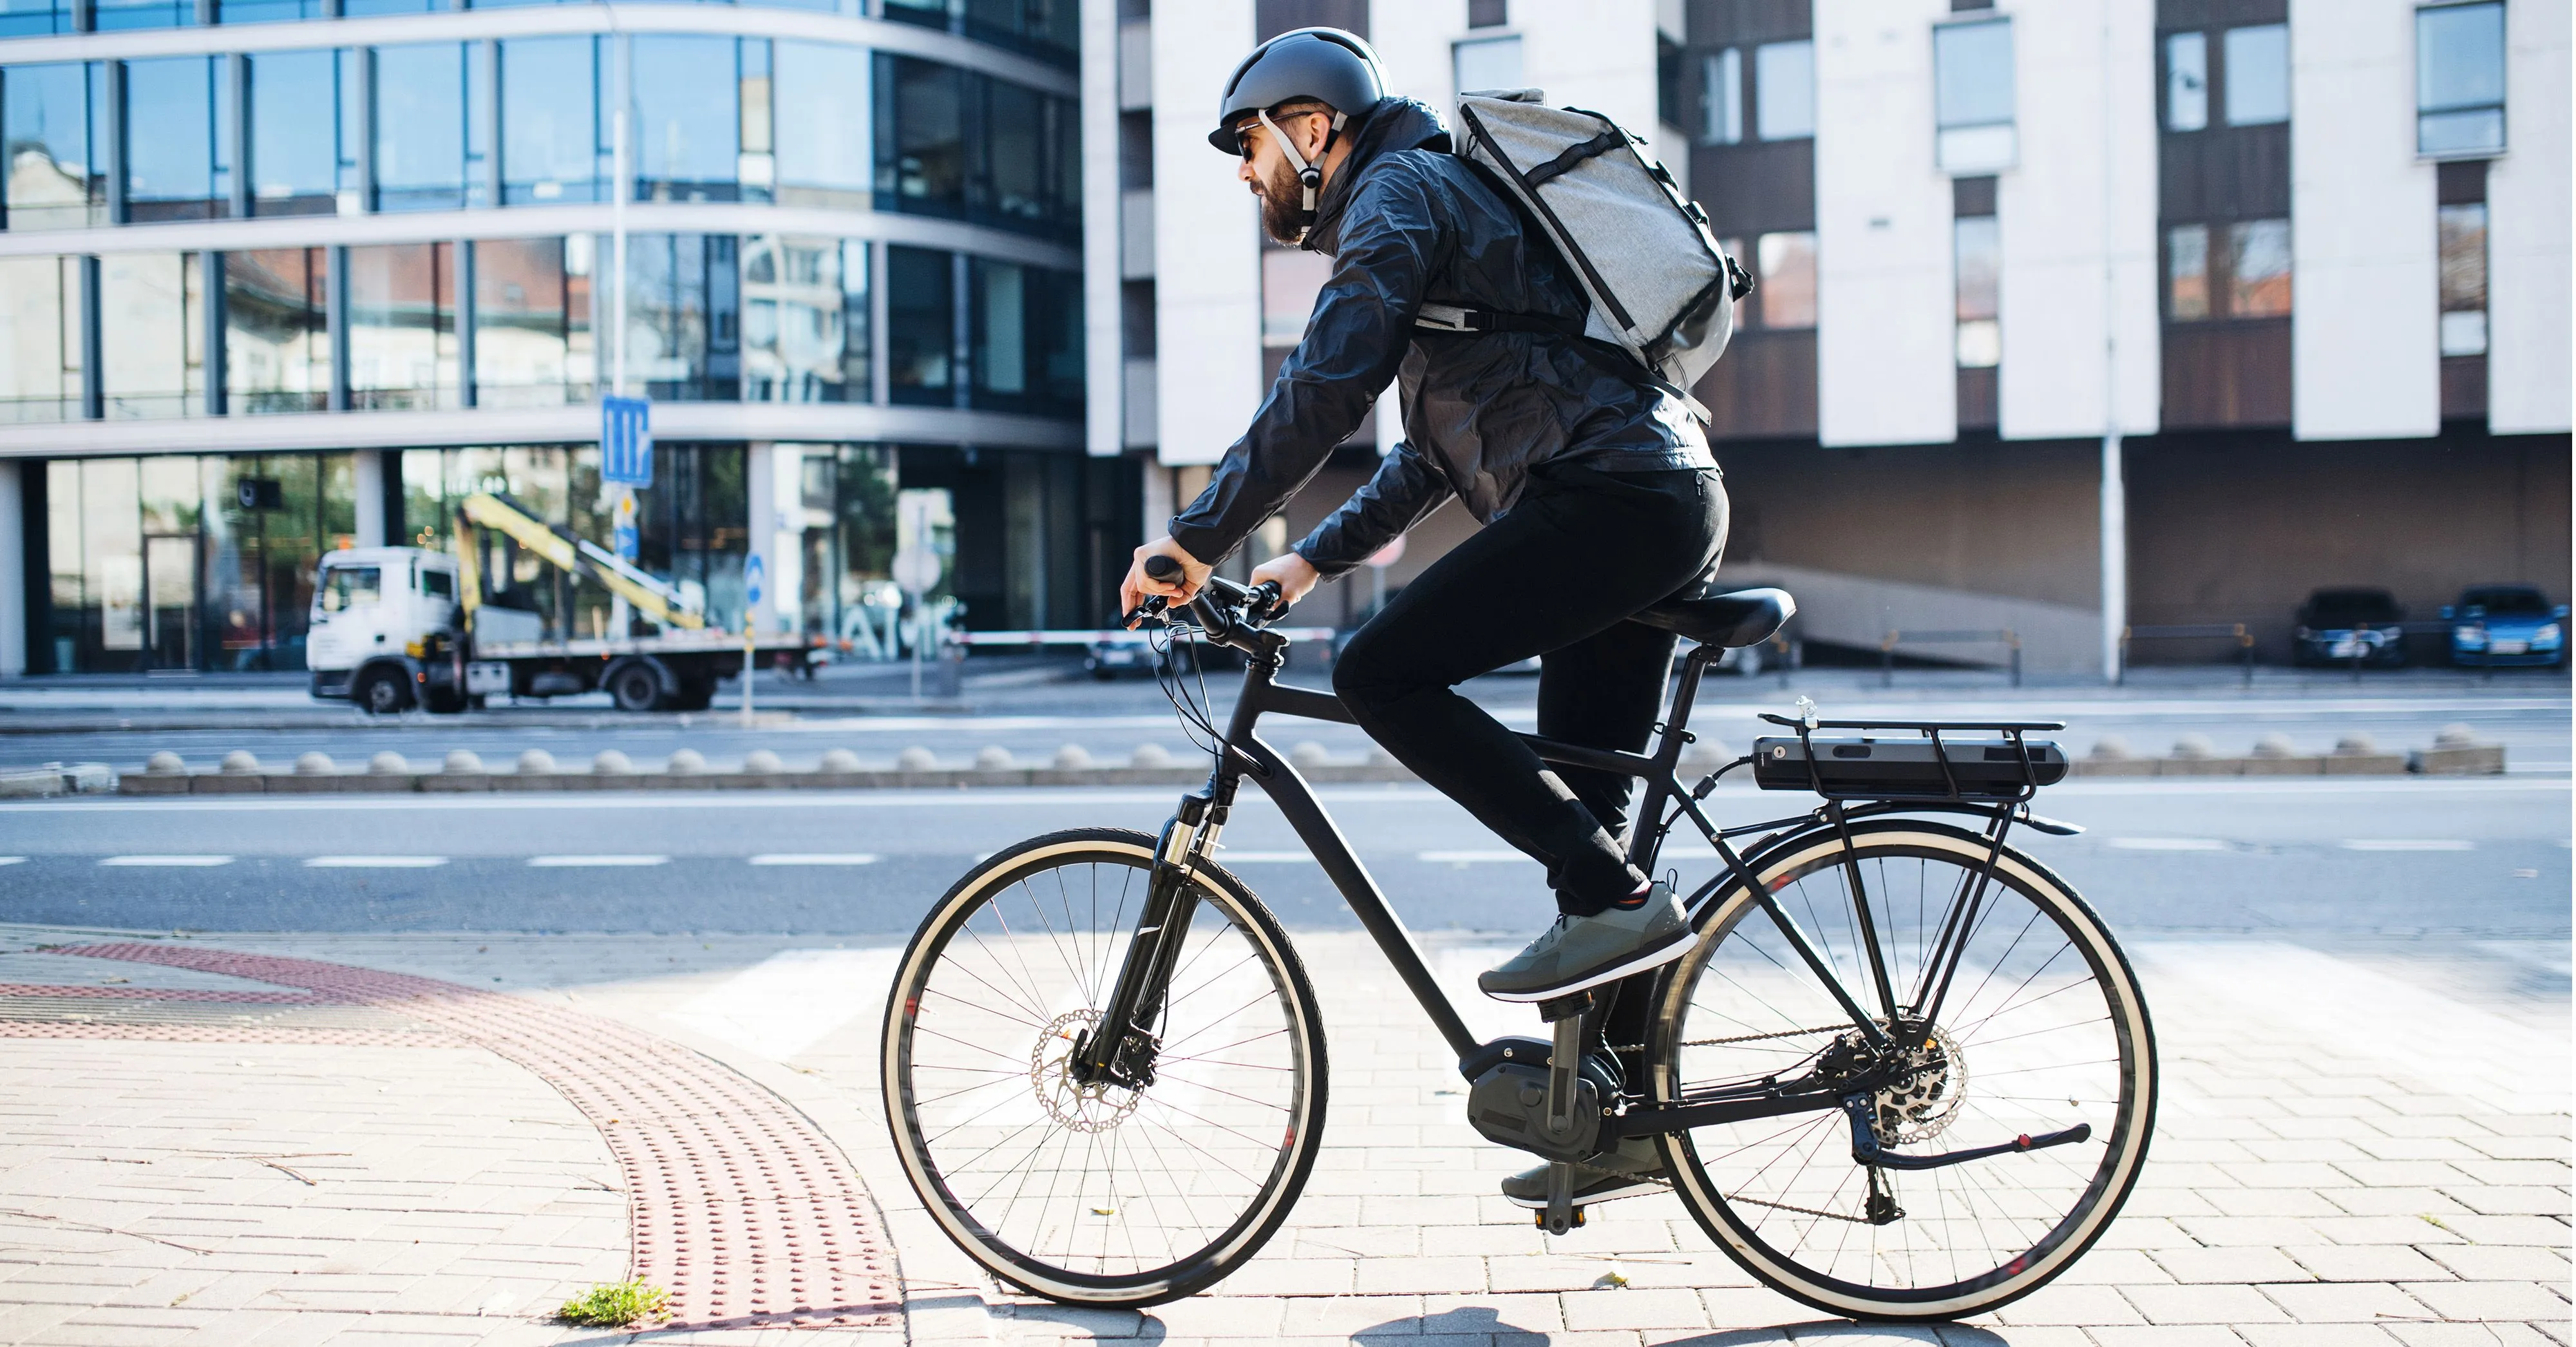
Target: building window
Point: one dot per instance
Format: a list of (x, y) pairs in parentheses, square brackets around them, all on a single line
[(1487, 64), (823, 145), (40, 345), (1028, 167), (1722, 98), (36, 18), (47, 120), (421, 103), (550, 132), (1784, 90), (1668, 81), (152, 334), (684, 317), (1027, 337), (532, 322), (109, 16), (266, 11), (921, 326), (1973, 96), (178, 138), (1787, 288), (2187, 273), (804, 319), (295, 150), (402, 327), (920, 135), (1047, 29), (953, 143), (1977, 251), (2186, 81), (2463, 230), (277, 346), (688, 117), (2258, 279), (2459, 80), (1488, 13), (2258, 75)]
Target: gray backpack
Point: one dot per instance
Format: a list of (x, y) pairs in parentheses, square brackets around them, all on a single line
[(1661, 289)]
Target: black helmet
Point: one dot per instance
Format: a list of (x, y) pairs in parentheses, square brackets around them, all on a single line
[(1325, 64)]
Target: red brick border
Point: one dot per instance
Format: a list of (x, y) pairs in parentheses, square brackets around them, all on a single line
[(741, 1207)]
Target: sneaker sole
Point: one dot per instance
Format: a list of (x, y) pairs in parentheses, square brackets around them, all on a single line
[(1635, 963), (1634, 1188)]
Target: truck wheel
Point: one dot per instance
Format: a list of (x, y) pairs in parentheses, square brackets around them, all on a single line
[(383, 694), (636, 688)]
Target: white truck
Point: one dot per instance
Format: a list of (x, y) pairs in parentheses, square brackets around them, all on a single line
[(395, 628)]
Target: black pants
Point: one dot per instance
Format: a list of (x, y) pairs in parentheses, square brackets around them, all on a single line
[(1554, 577)]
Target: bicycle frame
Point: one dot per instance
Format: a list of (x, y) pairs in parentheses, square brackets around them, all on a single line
[(1191, 836)]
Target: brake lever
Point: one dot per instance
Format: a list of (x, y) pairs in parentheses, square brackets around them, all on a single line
[(1153, 606)]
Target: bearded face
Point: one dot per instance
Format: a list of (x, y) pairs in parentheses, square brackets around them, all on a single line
[(1283, 200)]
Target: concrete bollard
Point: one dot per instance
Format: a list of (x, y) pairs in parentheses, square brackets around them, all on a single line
[(1308, 753), (536, 762), (2355, 744), (1706, 754), (2275, 745), (240, 762), (315, 764), (2457, 752), (2357, 754), (165, 763), (1073, 758), (993, 758), (462, 762), (762, 762), (686, 762), (2194, 748), (916, 759), (2110, 748), (610, 762), (2454, 735), (1150, 757), (838, 760), (2275, 755), (388, 763)]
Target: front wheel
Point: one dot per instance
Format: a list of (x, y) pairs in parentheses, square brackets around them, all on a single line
[(1091, 1192), (2041, 1029)]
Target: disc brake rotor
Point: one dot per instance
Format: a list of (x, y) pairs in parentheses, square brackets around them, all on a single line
[(1919, 1104), (1096, 1107)]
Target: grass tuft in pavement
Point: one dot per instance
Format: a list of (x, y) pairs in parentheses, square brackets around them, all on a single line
[(617, 1304)]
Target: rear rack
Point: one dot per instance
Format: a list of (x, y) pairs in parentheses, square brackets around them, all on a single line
[(2014, 733)]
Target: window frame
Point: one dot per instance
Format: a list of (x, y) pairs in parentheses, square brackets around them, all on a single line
[(2503, 76), (1975, 154)]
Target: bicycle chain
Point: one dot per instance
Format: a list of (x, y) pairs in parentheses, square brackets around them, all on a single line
[(1803, 1211), (1741, 1038)]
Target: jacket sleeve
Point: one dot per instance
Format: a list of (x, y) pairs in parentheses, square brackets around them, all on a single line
[(1405, 489), (1354, 343)]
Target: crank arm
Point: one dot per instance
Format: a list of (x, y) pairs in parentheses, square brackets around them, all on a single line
[(1867, 1151)]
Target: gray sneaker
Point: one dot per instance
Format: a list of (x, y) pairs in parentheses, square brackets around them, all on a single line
[(1636, 1167), (1580, 952)]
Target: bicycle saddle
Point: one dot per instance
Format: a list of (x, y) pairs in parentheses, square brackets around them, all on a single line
[(1744, 617)]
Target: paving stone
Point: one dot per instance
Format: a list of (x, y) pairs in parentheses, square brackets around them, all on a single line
[(2367, 1262), (2524, 1301), (2203, 1305), (2491, 1262), (2345, 1302), (1633, 1309), (2231, 1265)]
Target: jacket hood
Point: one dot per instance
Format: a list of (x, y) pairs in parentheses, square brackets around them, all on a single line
[(1396, 125)]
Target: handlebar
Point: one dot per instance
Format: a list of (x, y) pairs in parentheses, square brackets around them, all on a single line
[(1222, 604)]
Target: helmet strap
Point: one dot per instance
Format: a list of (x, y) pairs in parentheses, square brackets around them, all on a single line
[(1310, 176)]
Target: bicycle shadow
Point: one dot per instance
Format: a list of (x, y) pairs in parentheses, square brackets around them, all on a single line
[(1483, 1323)]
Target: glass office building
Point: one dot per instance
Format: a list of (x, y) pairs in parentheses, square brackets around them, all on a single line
[(281, 276)]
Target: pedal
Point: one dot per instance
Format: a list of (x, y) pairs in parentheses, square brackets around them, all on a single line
[(1560, 1214)]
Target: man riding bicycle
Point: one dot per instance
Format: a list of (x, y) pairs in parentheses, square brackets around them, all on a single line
[(1595, 487)]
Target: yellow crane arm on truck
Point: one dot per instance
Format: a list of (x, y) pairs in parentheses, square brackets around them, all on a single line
[(657, 601)]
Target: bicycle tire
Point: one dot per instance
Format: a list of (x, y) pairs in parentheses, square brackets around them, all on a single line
[(995, 1234), (1752, 1223)]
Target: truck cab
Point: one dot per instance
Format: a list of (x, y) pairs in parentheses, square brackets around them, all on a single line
[(374, 611)]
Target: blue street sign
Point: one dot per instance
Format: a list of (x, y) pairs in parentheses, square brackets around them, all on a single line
[(626, 542), (626, 441), (753, 573)]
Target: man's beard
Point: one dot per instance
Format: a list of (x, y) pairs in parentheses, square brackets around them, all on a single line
[(1283, 205)]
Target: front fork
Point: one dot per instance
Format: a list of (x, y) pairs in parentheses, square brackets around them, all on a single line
[(1120, 1049)]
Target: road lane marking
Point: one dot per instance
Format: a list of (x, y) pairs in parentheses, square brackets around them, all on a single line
[(816, 858), (1468, 857), (13, 860), (167, 860), (2408, 844), (586, 862), (2166, 844), (374, 862)]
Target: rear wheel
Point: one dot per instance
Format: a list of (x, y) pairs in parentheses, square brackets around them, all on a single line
[(1090, 1192), (2042, 1029), (634, 686)]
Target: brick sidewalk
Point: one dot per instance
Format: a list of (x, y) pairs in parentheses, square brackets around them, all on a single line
[(2365, 1151)]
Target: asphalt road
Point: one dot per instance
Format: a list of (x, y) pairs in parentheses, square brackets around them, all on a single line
[(2414, 859), (1032, 710)]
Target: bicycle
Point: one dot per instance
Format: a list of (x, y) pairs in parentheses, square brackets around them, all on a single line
[(1105, 1072)]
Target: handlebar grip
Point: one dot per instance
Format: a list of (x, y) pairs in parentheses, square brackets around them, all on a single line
[(1164, 569)]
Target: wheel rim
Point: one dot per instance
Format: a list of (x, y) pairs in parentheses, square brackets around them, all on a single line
[(1075, 1189), (2041, 1030), (383, 696)]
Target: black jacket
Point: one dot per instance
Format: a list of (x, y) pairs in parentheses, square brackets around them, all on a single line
[(1407, 224)]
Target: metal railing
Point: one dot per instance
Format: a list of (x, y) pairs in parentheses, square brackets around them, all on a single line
[(2192, 631), (2005, 637)]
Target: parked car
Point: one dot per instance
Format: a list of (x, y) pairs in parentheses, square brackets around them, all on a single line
[(2506, 624), (2337, 626)]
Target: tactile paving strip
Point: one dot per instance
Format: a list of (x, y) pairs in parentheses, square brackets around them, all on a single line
[(743, 1210)]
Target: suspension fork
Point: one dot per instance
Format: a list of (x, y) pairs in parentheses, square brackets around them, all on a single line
[(1121, 1047)]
